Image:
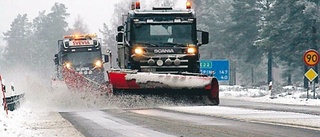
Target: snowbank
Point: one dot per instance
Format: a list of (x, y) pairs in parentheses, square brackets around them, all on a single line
[(26, 123), (287, 95)]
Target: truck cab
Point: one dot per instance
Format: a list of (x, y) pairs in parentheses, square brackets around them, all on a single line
[(82, 54), (161, 40)]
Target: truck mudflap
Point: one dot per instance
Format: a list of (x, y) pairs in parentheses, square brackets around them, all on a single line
[(78, 82), (152, 83)]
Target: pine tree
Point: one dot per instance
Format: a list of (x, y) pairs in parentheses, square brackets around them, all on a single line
[(290, 33), (79, 27), (18, 50), (214, 17), (110, 32), (48, 29)]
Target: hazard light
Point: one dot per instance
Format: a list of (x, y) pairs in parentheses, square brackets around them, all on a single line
[(138, 5), (94, 35), (188, 5), (138, 51), (76, 36), (135, 5), (68, 37), (68, 65), (98, 64), (191, 49)]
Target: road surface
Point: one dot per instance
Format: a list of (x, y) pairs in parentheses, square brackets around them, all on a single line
[(231, 118)]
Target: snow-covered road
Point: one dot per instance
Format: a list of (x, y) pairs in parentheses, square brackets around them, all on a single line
[(28, 123), (40, 116), (197, 121)]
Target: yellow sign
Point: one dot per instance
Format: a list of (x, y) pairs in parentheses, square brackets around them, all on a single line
[(311, 74)]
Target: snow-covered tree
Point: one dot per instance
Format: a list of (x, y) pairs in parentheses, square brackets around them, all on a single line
[(18, 40), (79, 27), (54, 26), (290, 30)]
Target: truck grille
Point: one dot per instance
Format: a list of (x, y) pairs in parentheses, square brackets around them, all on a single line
[(145, 65)]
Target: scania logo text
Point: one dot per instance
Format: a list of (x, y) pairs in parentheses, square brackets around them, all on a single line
[(162, 51)]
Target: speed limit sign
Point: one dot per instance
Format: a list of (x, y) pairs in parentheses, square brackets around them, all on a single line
[(311, 57)]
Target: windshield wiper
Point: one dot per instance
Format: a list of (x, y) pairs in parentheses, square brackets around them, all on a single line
[(175, 44), (147, 43)]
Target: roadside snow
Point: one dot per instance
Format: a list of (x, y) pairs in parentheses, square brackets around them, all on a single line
[(289, 95), (35, 117), (26, 122)]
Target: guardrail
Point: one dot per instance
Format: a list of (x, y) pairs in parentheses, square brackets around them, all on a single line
[(13, 102), (10, 102)]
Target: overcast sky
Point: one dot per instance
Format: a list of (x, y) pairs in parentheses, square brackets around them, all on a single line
[(93, 12)]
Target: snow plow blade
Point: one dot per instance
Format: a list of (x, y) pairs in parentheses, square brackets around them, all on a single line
[(78, 82), (192, 84)]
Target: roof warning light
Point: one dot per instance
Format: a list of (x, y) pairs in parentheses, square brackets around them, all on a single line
[(135, 5), (138, 5), (188, 5)]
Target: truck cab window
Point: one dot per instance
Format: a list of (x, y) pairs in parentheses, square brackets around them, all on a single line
[(160, 30)]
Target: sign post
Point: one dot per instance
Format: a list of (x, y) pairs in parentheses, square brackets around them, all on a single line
[(311, 58)]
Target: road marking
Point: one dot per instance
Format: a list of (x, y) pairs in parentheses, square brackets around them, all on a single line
[(119, 126), (300, 120)]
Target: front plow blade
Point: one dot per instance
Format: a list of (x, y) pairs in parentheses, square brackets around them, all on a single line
[(78, 82), (176, 84)]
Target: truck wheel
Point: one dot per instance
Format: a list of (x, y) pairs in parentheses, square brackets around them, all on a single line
[(214, 93), (215, 101), (207, 100)]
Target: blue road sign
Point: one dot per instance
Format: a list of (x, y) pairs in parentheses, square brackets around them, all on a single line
[(217, 68)]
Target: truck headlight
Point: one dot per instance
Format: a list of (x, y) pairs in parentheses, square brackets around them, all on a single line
[(191, 50), (138, 51), (68, 65), (98, 64)]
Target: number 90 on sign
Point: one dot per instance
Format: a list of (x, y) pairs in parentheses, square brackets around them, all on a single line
[(311, 57)]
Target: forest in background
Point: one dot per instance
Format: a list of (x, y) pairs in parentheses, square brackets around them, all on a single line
[(251, 34)]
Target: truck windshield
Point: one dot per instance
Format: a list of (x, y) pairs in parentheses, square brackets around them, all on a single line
[(163, 33), (82, 58)]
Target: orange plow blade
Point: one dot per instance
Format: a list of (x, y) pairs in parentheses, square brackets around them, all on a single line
[(78, 82)]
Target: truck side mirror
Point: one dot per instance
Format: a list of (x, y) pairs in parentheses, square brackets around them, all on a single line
[(120, 37), (205, 37), (106, 58), (12, 86), (60, 43), (56, 59), (120, 28)]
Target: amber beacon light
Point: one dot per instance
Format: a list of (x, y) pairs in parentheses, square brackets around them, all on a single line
[(138, 5), (188, 5)]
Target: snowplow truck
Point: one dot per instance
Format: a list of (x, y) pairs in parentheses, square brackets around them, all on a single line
[(79, 62), (158, 51)]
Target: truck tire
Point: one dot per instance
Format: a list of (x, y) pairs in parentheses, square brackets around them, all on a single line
[(206, 100), (215, 101), (214, 93)]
